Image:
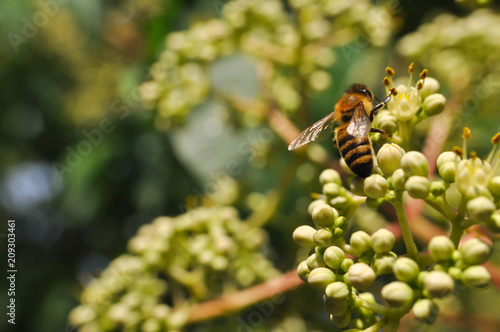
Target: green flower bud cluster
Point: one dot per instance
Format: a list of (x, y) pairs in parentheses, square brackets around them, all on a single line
[(128, 294)]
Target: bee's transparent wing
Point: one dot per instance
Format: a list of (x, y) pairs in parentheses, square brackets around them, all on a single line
[(319, 131), (360, 123)]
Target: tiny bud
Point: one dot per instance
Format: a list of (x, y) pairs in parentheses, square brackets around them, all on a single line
[(341, 222), (477, 190), (323, 237), (331, 189), (334, 256), (330, 176), (494, 186), (383, 241), (438, 284), (441, 248), (397, 293), (437, 188), (390, 72), (426, 311), (335, 307), (480, 208), (384, 263), (415, 163), (455, 272), (389, 158), (494, 223), (314, 261), (474, 251), (346, 264), (406, 269), (357, 186), (303, 236), (418, 186), (337, 233), (341, 321), (340, 203), (303, 271), (431, 86), (320, 278), (324, 215), (447, 171), (388, 123), (446, 157), (313, 204), (476, 277), (337, 291), (373, 203), (360, 242), (361, 276), (399, 179), (375, 186), (434, 104)]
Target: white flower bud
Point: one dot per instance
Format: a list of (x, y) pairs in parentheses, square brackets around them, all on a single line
[(324, 215), (337, 291), (399, 179), (313, 204), (441, 248), (474, 251), (330, 176), (321, 277), (331, 189), (361, 276), (431, 86), (418, 186), (388, 123), (494, 223), (480, 208), (383, 241), (397, 293), (415, 163), (437, 188), (476, 277), (360, 242), (376, 186), (476, 191), (426, 311), (323, 237), (384, 263), (314, 261), (447, 171), (434, 104), (494, 186), (303, 236), (438, 284), (406, 269), (389, 158), (303, 271), (334, 256), (447, 157), (358, 186)]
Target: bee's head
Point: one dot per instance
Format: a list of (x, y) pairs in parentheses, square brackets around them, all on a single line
[(361, 89)]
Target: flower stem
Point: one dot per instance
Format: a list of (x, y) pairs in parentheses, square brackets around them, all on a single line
[(411, 247)]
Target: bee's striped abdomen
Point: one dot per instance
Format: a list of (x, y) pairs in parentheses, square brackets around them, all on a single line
[(357, 153)]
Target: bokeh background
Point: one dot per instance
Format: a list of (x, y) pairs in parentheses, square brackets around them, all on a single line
[(84, 164)]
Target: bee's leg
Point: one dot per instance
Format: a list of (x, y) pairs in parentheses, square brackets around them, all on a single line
[(380, 131), (375, 109)]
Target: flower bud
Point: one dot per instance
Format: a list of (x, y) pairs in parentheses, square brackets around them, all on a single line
[(384, 263), (324, 215), (475, 251), (397, 293), (361, 276), (426, 311), (434, 104), (313, 204), (406, 269), (331, 189), (334, 307), (494, 186), (447, 171), (399, 179), (476, 277), (330, 176), (346, 264), (358, 186), (448, 156), (455, 272), (360, 242), (321, 277), (441, 248), (388, 123), (314, 261), (438, 284), (376, 186), (418, 186), (337, 291), (373, 203), (477, 190), (340, 203), (303, 236), (323, 237), (389, 158), (303, 271), (437, 188), (341, 321), (430, 86), (341, 222), (480, 208), (383, 241), (334, 256), (415, 163), (494, 223)]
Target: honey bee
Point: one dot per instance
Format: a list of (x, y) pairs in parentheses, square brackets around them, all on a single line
[(355, 112)]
